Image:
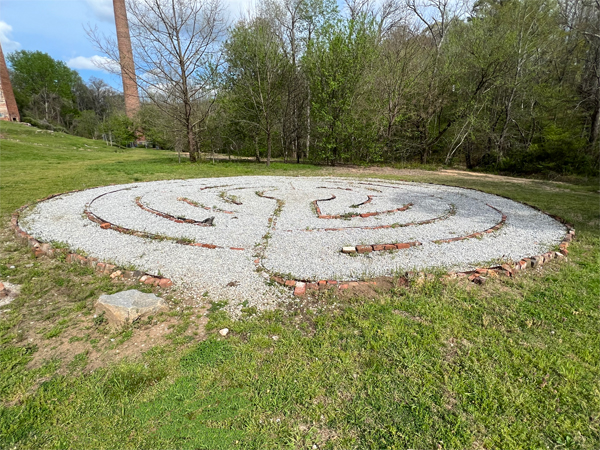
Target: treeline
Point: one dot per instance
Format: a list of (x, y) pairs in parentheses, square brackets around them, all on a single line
[(52, 96), (511, 85)]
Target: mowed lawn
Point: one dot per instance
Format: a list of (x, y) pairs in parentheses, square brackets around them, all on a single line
[(443, 364)]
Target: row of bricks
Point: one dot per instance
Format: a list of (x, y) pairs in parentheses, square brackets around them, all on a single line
[(477, 276), (169, 216), (379, 247), (107, 225), (43, 249)]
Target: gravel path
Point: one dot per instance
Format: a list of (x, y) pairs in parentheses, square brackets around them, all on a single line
[(290, 240)]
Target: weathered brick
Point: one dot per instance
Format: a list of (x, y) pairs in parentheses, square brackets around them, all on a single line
[(290, 283), (165, 283), (364, 248), (389, 247), (378, 248), (300, 288), (105, 226), (402, 246)]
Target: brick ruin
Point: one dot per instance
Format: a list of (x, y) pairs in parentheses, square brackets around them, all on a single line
[(8, 104), (130, 90)]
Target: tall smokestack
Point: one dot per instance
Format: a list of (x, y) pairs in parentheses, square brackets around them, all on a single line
[(8, 104), (130, 91)]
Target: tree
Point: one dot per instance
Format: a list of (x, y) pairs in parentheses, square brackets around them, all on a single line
[(177, 58), (335, 63), (43, 86), (255, 76)]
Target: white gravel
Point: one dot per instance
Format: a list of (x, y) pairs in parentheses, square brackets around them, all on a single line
[(298, 245)]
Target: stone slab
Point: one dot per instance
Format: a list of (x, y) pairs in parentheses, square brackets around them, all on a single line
[(128, 306)]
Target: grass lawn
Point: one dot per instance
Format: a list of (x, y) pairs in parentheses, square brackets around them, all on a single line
[(512, 364)]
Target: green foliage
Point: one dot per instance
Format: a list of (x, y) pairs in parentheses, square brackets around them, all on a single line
[(43, 85), (119, 129), (335, 63), (557, 151)]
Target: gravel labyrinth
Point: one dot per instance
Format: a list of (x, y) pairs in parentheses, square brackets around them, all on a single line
[(291, 227)]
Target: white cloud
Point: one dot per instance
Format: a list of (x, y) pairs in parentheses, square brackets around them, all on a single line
[(101, 63), (8, 45), (102, 9)]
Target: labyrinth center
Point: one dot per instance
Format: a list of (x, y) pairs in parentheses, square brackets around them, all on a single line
[(228, 236)]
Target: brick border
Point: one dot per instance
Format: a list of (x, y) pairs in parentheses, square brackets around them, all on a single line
[(300, 286), (138, 201), (351, 216), (44, 249)]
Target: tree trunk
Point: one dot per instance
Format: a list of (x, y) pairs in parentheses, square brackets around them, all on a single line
[(191, 143), (268, 148), (256, 148)]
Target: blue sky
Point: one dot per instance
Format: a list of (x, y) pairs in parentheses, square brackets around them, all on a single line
[(57, 27)]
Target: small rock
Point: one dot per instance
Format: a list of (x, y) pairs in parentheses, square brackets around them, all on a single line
[(275, 338), (129, 306), (224, 331), (348, 249)]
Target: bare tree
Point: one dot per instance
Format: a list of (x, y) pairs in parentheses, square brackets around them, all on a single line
[(176, 52)]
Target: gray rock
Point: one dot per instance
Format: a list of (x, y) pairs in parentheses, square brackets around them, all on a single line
[(128, 306)]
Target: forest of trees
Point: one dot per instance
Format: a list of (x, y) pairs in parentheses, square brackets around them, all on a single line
[(506, 85)]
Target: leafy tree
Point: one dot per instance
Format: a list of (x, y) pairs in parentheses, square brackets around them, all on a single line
[(44, 87), (255, 74), (335, 63)]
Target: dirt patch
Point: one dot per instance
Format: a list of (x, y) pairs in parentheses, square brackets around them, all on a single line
[(53, 314)]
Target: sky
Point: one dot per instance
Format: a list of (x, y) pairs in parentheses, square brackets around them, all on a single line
[(57, 27)]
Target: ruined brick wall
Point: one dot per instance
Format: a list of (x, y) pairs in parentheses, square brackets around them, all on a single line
[(8, 104), (130, 91)]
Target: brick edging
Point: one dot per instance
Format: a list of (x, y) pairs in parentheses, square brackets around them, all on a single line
[(300, 286), (44, 249)]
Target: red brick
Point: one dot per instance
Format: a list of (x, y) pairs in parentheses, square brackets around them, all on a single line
[(332, 282), (105, 225), (38, 253), (322, 282), (353, 283), (149, 280), (165, 283), (278, 280), (378, 248), (109, 268), (343, 286), (364, 248), (156, 281), (402, 246), (290, 283), (389, 247), (312, 286), (300, 288), (473, 276), (481, 270), (100, 267), (236, 248)]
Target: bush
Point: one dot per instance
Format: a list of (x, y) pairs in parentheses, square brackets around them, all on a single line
[(556, 151)]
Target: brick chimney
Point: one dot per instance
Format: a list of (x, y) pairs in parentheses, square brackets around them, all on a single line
[(130, 91), (8, 104)]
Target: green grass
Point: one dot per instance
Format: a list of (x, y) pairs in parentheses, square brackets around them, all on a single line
[(512, 364)]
